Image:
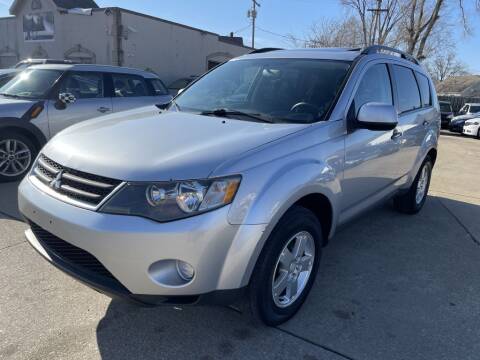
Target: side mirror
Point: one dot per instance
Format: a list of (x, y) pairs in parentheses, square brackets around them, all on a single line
[(377, 116), (66, 98)]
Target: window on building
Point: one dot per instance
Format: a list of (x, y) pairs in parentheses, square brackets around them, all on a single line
[(407, 88), (424, 89), (126, 85), (374, 87), (83, 85), (158, 87)]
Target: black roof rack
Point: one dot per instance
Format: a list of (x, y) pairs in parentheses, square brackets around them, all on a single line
[(264, 50), (376, 49)]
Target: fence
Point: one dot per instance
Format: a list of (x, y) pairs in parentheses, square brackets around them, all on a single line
[(458, 101)]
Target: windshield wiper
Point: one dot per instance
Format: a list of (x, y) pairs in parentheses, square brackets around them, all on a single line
[(227, 113)]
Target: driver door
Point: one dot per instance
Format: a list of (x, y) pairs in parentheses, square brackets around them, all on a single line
[(370, 155), (88, 89)]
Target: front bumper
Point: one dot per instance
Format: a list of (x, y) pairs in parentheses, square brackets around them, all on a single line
[(456, 127), (471, 130), (126, 246)]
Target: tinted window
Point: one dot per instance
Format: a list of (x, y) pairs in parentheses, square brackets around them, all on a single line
[(374, 87), (158, 87), (474, 109), (283, 90), (5, 79), (407, 88), (424, 89), (445, 107), (126, 85), (83, 85)]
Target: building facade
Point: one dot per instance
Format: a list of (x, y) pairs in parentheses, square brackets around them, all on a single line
[(79, 30)]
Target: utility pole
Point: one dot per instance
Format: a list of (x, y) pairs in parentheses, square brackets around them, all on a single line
[(252, 13), (377, 12)]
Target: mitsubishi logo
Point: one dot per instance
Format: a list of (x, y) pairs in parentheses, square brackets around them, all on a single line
[(56, 183)]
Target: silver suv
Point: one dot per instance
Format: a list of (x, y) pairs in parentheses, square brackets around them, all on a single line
[(44, 99), (237, 186)]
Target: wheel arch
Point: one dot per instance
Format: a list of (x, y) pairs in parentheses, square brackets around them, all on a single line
[(27, 130)]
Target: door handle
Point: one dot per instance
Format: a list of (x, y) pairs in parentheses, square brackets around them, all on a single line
[(103, 109), (396, 134), (425, 123)]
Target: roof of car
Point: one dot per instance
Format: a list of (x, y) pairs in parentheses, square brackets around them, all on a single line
[(308, 53), (102, 68), (342, 54)]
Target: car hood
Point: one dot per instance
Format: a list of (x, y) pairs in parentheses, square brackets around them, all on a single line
[(15, 108), (143, 145), (464, 117)]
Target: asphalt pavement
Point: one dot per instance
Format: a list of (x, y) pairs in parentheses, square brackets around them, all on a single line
[(390, 286)]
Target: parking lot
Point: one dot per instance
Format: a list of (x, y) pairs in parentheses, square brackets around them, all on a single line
[(390, 286)]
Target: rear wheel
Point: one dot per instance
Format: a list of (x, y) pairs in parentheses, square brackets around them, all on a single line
[(286, 268), (17, 153), (413, 201)]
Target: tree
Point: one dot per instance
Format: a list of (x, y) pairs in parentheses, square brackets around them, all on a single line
[(330, 33), (445, 64), (405, 23)]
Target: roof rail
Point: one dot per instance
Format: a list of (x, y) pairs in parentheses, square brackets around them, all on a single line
[(376, 49), (264, 50)]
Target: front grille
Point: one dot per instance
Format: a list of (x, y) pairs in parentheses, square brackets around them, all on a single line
[(77, 185), (72, 254)]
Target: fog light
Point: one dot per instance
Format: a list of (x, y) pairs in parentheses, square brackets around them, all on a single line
[(185, 270)]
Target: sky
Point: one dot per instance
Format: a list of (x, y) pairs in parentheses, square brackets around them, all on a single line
[(276, 19)]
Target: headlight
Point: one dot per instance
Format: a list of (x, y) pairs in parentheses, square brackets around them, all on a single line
[(167, 201)]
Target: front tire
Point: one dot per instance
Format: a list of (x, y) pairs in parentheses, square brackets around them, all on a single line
[(413, 201), (17, 153), (286, 268)]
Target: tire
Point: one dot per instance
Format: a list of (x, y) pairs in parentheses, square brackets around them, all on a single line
[(263, 306), (17, 153), (409, 203), (478, 134)]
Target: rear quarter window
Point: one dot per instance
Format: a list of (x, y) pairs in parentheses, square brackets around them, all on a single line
[(407, 89), (424, 86)]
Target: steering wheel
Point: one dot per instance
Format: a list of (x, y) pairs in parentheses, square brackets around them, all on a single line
[(305, 107)]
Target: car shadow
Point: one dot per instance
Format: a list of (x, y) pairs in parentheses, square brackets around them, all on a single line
[(9, 201), (390, 286)]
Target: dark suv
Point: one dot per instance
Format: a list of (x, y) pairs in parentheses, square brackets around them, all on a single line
[(446, 112)]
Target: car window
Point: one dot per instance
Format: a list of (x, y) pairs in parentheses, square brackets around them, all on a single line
[(445, 107), (126, 85), (5, 79), (407, 89), (280, 90), (424, 89), (179, 84), (374, 87), (83, 85), (158, 87), (474, 109)]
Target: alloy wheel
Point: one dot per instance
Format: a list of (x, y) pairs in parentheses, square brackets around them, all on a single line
[(422, 184), (15, 157), (293, 269)]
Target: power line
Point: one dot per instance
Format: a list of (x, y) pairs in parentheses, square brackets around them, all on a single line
[(289, 37)]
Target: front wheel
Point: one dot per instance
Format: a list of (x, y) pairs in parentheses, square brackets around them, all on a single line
[(286, 268), (413, 201), (17, 153)]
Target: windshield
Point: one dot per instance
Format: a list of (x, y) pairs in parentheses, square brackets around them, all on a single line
[(445, 107), (31, 84), (282, 90)]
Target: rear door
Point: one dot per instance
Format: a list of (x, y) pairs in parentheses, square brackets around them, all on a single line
[(415, 113), (88, 88), (132, 91), (369, 155)]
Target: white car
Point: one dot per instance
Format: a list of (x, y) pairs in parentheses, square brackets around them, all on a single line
[(472, 127)]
